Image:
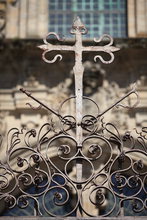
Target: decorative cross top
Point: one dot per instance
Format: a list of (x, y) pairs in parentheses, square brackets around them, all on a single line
[(78, 29)]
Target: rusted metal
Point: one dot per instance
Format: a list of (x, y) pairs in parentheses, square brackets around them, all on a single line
[(110, 174)]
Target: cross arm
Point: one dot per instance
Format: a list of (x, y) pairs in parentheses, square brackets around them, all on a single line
[(101, 48), (48, 47), (51, 47), (108, 48)]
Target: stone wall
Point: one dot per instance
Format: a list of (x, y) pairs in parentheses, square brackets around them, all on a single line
[(28, 19)]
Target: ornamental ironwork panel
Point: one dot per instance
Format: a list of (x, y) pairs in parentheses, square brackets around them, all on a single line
[(87, 168)]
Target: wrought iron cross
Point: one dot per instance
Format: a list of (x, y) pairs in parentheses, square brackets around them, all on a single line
[(78, 29)]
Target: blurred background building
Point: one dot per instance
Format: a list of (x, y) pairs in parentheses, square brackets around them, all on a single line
[(23, 25)]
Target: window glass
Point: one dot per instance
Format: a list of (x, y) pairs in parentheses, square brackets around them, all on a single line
[(105, 17)]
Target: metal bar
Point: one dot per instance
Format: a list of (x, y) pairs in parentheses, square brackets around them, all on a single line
[(41, 103), (116, 103)]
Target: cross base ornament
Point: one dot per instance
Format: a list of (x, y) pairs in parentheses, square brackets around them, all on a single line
[(87, 160)]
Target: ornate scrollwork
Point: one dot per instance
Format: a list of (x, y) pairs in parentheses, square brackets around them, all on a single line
[(121, 175)]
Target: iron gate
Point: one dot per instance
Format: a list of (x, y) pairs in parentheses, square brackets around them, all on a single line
[(86, 162)]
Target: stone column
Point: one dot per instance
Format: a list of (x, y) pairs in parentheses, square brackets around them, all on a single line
[(12, 21), (131, 18), (141, 18), (43, 17), (23, 19), (37, 24), (32, 18), (137, 18)]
